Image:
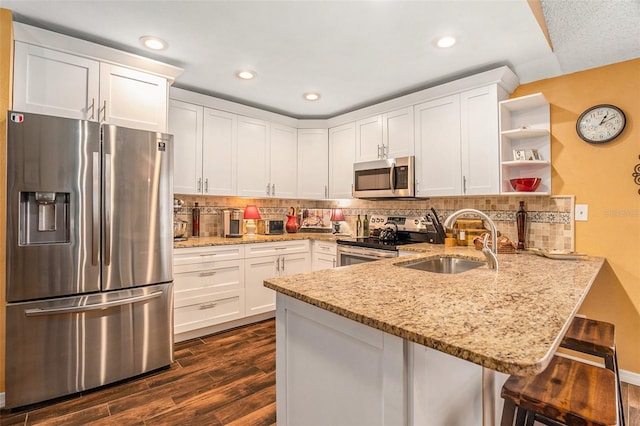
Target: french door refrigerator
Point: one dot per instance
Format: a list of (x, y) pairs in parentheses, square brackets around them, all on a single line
[(89, 255)]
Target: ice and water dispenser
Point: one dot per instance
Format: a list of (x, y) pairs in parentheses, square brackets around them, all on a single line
[(44, 218)]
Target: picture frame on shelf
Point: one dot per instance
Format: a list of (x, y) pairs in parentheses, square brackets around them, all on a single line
[(534, 154), (519, 155)]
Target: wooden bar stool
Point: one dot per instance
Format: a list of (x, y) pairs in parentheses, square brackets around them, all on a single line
[(595, 338), (567, 392)]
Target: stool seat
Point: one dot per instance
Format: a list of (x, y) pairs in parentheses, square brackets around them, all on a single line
[(590, 336), (567, 391)]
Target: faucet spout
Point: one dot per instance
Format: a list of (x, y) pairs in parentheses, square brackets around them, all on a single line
[(490, 254)]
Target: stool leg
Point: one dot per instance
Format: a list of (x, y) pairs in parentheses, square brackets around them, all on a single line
[(522, 416), (620, 405), (508, 412)]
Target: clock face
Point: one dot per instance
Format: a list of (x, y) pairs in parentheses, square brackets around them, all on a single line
[(601, 124)]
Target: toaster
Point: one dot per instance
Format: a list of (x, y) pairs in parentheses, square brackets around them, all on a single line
[(270, 227)]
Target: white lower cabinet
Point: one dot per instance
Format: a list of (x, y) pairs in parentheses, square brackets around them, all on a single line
[(323, 255), (269, 260), (208, 286)]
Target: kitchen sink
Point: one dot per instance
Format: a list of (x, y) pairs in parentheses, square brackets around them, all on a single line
[(444, 265)]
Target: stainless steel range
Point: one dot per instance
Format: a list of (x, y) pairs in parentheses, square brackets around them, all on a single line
[(388, 234)]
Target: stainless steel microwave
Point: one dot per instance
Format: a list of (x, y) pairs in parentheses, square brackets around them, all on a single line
[(390, 178)]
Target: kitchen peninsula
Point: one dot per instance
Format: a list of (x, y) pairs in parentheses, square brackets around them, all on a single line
[(377, 343)]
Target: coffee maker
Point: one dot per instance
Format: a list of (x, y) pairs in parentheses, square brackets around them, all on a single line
[(232, 223)]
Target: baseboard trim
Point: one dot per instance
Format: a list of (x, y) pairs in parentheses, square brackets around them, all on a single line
[(2, 400), (630, 377)]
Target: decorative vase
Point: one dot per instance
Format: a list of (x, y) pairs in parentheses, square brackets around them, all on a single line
[(521, 221), (292, 225)]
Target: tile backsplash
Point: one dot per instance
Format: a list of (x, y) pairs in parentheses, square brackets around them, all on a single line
[(549, 218)]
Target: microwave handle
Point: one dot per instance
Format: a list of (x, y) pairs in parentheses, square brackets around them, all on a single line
[(392, 176)]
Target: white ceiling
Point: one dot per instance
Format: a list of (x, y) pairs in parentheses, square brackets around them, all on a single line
[(354, 53)]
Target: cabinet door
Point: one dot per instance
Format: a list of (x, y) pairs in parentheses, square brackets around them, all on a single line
[(219, 152), (342, 153), (480, 143), (55, 83), (131, 98), (297, 263), (258, 298), (398, 133), (313, 164), (185, 124), (369, 139), (253, 157), (438, 165), (284, 161)]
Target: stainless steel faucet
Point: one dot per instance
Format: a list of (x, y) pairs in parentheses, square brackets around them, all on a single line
[(489, 253)]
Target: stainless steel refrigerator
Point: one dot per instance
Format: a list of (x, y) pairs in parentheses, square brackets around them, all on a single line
[(89, 255)]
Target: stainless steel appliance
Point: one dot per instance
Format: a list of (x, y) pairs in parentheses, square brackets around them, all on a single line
[(390, 178), (232, 223), (89, 255), (388, 234), (270, 227)]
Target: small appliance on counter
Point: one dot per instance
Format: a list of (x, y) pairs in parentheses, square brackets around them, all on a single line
[(232, 223), (179, 225), (270, 227)]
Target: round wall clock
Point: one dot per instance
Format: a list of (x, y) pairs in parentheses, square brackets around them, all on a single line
[(601, 123)]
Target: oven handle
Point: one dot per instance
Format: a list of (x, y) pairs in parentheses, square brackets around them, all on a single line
[(367, 252)]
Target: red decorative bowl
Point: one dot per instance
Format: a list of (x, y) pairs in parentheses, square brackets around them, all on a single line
[(525, 184)]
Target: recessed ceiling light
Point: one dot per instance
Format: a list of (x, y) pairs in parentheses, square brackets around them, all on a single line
[(445, 42), (154, 43), (246, 74), (312, 96)]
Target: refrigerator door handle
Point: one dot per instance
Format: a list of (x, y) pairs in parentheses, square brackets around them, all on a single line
[(95, 226), (107, 209), (93, 307)]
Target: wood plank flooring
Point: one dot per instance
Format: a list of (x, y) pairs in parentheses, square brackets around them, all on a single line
[(222, 379)]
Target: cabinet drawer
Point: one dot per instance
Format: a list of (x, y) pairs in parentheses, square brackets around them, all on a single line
[(215, 276), (203, 309), (270, 249), (324, 247), (189, 256)]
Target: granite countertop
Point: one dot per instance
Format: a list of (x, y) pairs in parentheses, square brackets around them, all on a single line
[(218, 241), (510, 321)]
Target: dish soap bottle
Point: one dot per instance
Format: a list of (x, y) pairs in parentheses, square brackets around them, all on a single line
[(358, 227), (365, 226), (195, 221)]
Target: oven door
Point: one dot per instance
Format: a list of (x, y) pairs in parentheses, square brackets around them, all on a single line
[(350, 255)]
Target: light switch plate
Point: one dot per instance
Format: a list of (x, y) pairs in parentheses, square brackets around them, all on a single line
[(582, 212)]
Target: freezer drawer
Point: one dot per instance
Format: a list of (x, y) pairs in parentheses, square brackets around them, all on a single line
[(62, 346)]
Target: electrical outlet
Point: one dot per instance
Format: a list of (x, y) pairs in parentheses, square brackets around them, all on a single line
[(582, 212)]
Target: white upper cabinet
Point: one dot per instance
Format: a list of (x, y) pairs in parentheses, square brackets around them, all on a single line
[(54, 83), (253, 157), (438, 165), (205, 140), (385, 135), (185, 124), (50, 82), (313, 164), (398, 133), (219, 152), (457, 149), (342, 148), (369, 139), (284, 161), (131, 98)]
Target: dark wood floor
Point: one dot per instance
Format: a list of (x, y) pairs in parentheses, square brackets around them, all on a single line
[(223, 379)]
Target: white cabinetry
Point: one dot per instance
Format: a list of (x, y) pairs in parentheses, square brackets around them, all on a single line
[(204, 149), (284, 161), (208, 285), (525, 125), (253, 158), (323, 255), (342, 147), (386, 135), (269, 260), (50, 82), (313, 164), (457, 144)]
